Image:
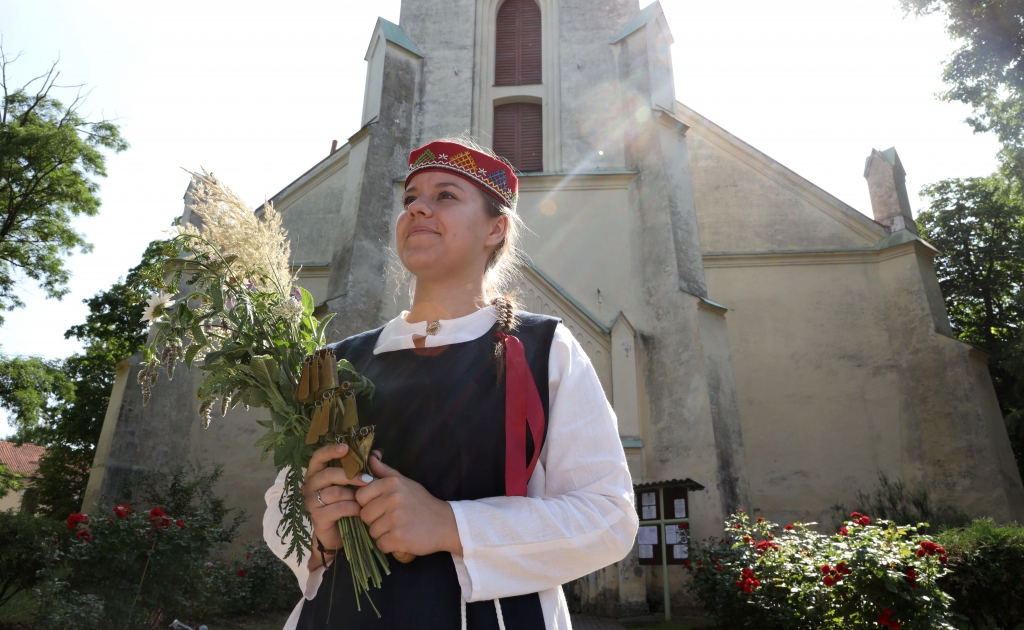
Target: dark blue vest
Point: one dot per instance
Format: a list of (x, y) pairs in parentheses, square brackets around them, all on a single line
[(440, 420)]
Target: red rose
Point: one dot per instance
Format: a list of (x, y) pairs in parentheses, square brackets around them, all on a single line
[(718, 567), (911, 575), (83, 533), (242, 573), (829, 581), (684, 526), (895, 625), (737, 525), (123, 510), (156, 513), (759, 519), (740, 511), (856, 516), (943, 559), (843, 531), (180, 523), (789, 528), (826, 569), (865, 520), (76, 518), (248, 556)]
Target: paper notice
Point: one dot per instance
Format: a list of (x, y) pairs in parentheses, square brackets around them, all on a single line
[(648, 535), (681, 551), (648, 498), (680, 508), (671, 535), (650, 512), (646, 551)]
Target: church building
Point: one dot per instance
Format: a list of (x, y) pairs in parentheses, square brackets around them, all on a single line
[(764, 345)]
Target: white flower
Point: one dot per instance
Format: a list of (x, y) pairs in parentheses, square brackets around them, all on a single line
[(155, 306)]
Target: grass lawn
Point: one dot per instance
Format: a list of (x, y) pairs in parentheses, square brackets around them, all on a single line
[(21, 607), (268, 621), (686, 623)]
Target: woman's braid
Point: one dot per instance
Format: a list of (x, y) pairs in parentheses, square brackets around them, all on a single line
[(505, 309)]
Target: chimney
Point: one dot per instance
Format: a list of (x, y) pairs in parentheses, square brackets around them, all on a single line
[(334, 147), (887, 183)]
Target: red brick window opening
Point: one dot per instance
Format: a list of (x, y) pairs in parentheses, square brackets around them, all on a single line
[(518, 135), (517, 46)]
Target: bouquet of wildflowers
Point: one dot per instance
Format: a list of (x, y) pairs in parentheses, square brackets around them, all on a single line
[(239, 317)]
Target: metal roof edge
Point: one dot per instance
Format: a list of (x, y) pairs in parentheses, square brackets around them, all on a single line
[(639, 20)]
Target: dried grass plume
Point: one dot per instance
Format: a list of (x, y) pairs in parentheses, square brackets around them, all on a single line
[(260, 243)]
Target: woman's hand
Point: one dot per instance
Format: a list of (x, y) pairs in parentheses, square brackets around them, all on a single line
[(403, 516), (337, 501)]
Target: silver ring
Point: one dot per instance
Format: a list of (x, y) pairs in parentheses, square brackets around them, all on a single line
[(319, 499)]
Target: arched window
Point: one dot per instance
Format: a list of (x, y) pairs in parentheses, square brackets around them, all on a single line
[(517, 44), (518, 135)]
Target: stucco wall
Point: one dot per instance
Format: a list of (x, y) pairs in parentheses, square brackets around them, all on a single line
[(815, 379), (312, 212), (746, 205), (841, 347)]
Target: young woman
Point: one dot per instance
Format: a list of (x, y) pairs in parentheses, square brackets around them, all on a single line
[(504, 472)]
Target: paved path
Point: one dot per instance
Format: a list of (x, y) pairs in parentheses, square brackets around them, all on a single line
[(585, 622)]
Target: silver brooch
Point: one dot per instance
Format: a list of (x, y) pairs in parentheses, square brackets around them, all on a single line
[(433, 327)]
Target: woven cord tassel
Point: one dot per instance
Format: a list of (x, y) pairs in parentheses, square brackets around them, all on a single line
[(501, 619)]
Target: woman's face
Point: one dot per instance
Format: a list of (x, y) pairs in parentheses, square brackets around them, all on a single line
[(444, 230)]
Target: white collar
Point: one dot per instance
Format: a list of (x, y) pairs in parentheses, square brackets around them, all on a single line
[(399, 334)]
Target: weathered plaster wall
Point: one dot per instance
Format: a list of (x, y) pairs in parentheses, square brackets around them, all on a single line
[(841, 346), (444, 31), (746, 205), (815, 379), (312, 212), (579, 234), (592, 117)]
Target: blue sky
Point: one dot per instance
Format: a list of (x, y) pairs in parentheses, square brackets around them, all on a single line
[(256, 92)]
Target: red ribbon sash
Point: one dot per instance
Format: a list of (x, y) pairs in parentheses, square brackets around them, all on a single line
[(523, 409)]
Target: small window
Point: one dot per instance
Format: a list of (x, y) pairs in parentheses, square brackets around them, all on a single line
[(517, 45), (518, 135)]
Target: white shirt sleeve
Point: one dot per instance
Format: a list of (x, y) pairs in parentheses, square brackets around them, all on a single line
[(578, 515), (309, 582)]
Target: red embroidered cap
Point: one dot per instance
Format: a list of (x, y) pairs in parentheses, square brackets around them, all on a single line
[(493, 176)]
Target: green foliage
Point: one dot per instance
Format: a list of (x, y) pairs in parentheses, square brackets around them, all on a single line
[(771, 578), (60, 405), (978, 224), (893, 500), (987, 578), (250, 342), (987, 71), (9, 481), (257, 582), (140, 564), (28, 542), (49, 157)]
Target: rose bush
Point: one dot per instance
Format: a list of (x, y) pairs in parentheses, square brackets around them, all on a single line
[(134, 568), (869, 574), (141, 565)]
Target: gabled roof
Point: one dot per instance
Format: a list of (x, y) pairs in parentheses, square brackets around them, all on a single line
[(396, 35), (639, 20), (832, 206), (22, 459)]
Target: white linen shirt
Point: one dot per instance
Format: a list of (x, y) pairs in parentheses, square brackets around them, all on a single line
[(578, 515)]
